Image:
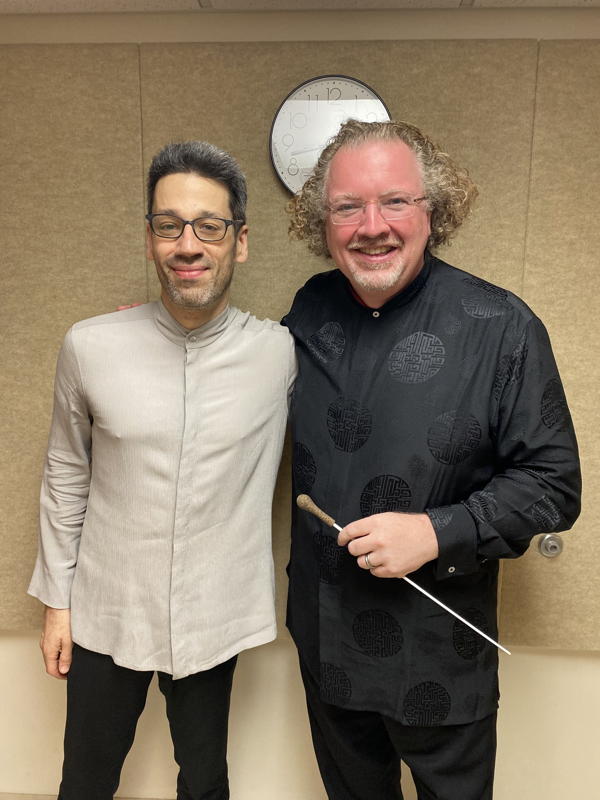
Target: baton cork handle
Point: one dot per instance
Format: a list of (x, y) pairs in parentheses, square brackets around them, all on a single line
[(306, 503)]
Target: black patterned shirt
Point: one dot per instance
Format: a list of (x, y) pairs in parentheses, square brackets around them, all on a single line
[(446, 400)]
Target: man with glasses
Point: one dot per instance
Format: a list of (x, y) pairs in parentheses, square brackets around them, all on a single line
[(166, 437), (429, 418)]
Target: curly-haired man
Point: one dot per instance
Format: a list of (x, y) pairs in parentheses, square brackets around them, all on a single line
[(429, 410)]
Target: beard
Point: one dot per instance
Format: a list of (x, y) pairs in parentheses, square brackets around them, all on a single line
[(196, 297), (380, 278), (193, 296)]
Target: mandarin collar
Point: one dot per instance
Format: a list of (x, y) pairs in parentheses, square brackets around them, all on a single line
[(198, 337), (400, 299)]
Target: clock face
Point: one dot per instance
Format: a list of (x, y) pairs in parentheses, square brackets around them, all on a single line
[(310, 115)]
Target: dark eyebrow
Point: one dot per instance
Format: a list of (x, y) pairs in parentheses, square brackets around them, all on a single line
[(202, 214)]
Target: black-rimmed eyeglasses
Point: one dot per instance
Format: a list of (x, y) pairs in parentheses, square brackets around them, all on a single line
[(207, 229)]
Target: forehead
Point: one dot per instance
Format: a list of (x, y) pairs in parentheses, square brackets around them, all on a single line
[(187, 193), (373, 168)]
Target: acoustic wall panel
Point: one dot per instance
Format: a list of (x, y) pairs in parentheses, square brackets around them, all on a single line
[(556, 602), (72, 247)]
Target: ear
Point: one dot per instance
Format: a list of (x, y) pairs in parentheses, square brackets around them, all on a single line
[(241, 245), (149, 253), (428, 223)]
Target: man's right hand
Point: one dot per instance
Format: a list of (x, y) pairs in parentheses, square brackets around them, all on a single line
[(56, 643)]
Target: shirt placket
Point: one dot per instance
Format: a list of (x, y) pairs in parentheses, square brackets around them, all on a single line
[(188, 463)]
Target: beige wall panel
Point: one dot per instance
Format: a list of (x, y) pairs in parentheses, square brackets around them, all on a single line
[(71, 187), (556, 603), (474, 97)]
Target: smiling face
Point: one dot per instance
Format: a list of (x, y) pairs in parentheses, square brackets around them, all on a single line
[(379, 257), (195, 276)]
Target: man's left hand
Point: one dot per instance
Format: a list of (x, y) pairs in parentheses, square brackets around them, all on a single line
[(393, 543)]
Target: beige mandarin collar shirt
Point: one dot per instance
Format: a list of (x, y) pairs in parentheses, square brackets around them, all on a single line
[(199, 337), (157, 489)]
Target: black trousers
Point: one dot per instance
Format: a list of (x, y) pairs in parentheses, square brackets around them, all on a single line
[(359, 754), (104, 702)]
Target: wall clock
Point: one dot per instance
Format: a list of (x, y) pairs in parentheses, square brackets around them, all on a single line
[(310, 115)]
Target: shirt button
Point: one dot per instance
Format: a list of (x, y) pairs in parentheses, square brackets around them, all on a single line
[(376, 314), (451, 570), (193, 339)]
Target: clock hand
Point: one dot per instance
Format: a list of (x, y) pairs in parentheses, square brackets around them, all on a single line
[(307, 150)]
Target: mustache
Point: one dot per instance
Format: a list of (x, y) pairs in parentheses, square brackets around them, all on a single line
[(181, 262), (381, 241)]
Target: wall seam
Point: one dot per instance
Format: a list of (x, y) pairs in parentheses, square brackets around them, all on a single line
[(530, 181), (143, 174), (521, 292)]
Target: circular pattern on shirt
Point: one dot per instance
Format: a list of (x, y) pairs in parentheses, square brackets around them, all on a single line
[(377, 633), (304, 468), (417, 358), (329, 556), (484, 505), (427, 703), (467, 643), (349, 424), (440, 517), (554, 410), (328, 342), (385, 493), (483, 300), (546, 514), (510, 369), (336, 687), (453, 437)]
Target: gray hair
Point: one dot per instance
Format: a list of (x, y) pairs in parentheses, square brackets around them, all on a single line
[(449, 190)]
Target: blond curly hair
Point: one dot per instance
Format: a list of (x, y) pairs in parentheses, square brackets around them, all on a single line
[(449, 190)]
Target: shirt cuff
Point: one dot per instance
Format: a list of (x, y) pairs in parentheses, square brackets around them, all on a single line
[(53, 591), (457, 540)]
